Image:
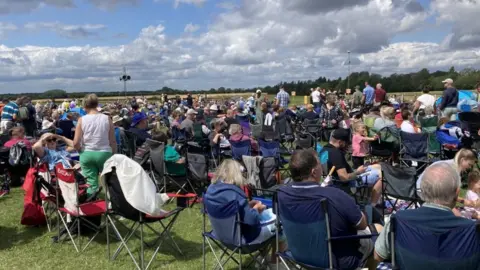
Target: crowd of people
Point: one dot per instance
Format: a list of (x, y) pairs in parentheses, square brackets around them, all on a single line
[(346, 123)]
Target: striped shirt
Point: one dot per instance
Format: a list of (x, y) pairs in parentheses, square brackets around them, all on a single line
[(9, 110)]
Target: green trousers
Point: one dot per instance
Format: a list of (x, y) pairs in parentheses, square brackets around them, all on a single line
[(92, 163)]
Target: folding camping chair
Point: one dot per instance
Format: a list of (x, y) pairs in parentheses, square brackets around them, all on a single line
[(256, 130), (130, 146), (304, 140), (399, 183), (163, 179), (284, 130), (197, 171), (314, 128), (417, 243), (240, 148), (414, 149), (244, 121), (226, 234), (83, 213), (309, 237), (119, 206), (272, 150), (387, 144), (429, 126)]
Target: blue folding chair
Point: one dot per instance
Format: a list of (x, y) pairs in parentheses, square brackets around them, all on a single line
[(272, 149), (309, 237), (414, 148), (244, 121), (240, 148), (226, 234), (415, 243)]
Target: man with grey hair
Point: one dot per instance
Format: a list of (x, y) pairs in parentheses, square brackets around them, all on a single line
[(440, 189)]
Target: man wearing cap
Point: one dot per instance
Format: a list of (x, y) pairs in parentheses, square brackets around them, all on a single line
[(187, 124), (139, 127), (336, 148), (357, 98), (448, 106)]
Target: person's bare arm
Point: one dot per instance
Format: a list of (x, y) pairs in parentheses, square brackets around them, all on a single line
[(362, 225), (111, 136), (66, 140), (344, 176), (77, 140), (38, 147), (377, 257), (363, 98), (416, 106)]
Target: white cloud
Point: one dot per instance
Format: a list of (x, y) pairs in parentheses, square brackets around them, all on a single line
[(191, 2), (67, 30), (190, 28), (6, 27), (251, 45)]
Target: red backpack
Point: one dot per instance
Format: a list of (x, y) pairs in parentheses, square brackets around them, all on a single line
[(33, 214)]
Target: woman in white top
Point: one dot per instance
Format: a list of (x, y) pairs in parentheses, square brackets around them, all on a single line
[(425, 100), (407, 125), (95, 140)]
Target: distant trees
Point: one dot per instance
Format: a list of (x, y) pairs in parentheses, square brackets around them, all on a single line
[(409, 82)]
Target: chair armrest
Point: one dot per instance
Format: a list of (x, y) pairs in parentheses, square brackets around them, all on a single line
[(352, 237)]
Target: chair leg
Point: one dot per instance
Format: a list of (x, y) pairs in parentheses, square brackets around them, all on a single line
[(68, 232), (123, 243), (108, 236), (142, 261)]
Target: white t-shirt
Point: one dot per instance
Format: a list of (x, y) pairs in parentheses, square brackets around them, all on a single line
[(407, 127), (316, 96), (426, 100)]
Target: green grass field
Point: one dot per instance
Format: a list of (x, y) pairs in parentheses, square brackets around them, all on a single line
[(32, 248)]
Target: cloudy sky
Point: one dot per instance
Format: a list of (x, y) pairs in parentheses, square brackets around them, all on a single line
[(82, 45)]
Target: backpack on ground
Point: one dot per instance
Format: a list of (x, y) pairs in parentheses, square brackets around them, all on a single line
[(19, 155), (23, 114)]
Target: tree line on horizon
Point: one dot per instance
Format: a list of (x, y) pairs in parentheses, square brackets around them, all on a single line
[(394, 83)]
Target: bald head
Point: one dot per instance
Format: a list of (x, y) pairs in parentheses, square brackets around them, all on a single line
[(440, 184)]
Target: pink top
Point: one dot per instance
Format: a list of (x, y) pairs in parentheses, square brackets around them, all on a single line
[(11, 142), (359, 146)]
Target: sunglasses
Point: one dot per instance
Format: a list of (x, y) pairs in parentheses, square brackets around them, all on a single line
[(51, 140)]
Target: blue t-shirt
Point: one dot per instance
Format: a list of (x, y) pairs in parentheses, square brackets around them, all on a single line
[(369, 93), (344, 216)]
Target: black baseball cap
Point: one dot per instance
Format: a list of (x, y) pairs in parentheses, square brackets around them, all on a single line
[(341, 134)]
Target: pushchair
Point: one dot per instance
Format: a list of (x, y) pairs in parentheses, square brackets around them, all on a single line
[(452, 138)]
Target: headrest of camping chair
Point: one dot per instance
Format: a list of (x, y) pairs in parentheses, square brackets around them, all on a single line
[(63, 174)]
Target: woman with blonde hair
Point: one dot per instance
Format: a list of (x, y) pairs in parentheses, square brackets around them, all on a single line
[(225, 189), (95, 140), (463, 160), (387, 114)]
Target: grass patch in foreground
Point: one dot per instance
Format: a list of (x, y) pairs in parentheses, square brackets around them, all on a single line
[(24, 247)]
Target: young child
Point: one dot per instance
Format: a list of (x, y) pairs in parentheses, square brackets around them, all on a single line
[(473, 193), (360, 142)]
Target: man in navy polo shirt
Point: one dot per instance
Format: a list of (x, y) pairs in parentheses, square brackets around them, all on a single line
[(345, 216)]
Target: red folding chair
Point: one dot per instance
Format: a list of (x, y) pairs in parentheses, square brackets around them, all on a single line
[(81, 213)]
